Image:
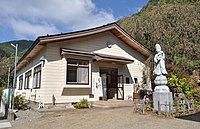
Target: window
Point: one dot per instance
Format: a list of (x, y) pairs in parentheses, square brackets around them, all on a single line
[(27, 79), (20, 82), (135, 80), (37, 77), (127, 79), (77, 71)]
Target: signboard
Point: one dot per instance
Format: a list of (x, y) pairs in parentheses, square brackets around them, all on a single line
[(100, 87)]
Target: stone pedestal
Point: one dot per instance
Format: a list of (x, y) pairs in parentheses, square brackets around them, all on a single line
[(164, 98), (161, 89), (161, 84)]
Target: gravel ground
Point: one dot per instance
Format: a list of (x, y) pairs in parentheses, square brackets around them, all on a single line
[(121, 118)]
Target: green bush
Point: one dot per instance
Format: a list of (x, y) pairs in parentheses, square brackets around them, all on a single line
[(19, 102), (181, 84), (82, 104), (149, 106), (196, 96)]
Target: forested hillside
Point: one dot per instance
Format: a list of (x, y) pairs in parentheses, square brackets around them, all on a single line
[(175, 24), (7, 53), (6, 50)]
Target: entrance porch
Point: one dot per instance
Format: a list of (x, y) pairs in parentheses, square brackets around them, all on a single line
[(108, 73), (112, 84)]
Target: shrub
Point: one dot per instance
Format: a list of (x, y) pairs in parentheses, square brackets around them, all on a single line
[(19, 102), (181, 84), (149, 106), (196, 95), (82, 104)]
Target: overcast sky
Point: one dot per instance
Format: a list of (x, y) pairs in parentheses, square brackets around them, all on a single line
[(28, 19)]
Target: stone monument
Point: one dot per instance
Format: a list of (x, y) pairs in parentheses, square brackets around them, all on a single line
[(161, 94)]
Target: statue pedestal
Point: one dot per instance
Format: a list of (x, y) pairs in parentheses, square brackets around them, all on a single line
[(164, 99), (161, 89), (160, 80)]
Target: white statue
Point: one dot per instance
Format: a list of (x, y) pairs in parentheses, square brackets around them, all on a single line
[(160, 71), (159, 60)]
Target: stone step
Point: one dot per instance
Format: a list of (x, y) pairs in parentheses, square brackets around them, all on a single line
[(5, 124)]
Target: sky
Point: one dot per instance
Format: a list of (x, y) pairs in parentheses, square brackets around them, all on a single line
[(28, 19)]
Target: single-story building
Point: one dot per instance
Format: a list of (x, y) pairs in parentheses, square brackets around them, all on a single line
[(99, 63)]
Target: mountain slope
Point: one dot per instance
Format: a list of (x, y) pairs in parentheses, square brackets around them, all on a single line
[(6, 50), (174, 25)]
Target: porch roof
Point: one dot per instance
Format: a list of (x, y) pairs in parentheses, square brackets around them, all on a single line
[(111, 58), (97, 56)]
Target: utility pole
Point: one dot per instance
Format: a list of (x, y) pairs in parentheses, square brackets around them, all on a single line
[(14, 78), (8, 100), (8, 86)]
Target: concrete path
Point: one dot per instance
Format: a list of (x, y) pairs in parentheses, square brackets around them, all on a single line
[(109, 104), (112, 104), (4, 124)]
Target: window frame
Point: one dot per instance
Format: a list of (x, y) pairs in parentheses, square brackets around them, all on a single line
[(37, 71), (27, 80), (78, 65), (136, 80), (20, 82), (129, 78)]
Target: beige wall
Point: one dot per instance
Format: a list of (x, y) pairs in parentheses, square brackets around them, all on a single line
[(32, 94), (54, 70)]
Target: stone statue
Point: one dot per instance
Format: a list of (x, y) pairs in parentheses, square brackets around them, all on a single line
[(160, 71), (161, 94), (159, 66)]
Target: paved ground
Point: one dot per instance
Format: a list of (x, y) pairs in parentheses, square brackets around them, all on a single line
[(118, 118)]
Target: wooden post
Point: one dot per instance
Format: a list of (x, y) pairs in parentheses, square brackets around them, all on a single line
[(184, 106), (165, 106), (143, 106), (192, 105), (53, 100), (158, 107), (188, 106), (170, 109), (11, 115)]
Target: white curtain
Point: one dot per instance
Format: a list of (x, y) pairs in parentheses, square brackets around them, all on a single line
[(82, 75)]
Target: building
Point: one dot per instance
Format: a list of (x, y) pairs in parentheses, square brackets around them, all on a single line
[(98, 63)]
